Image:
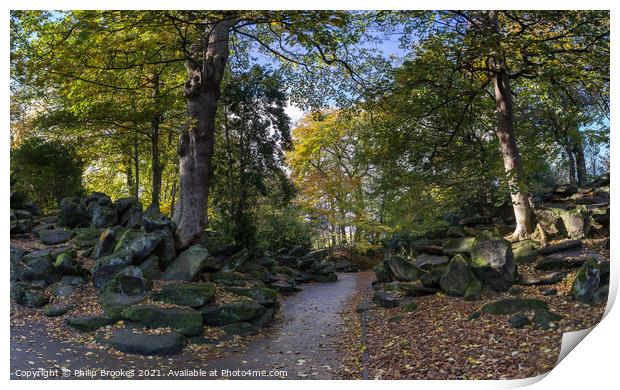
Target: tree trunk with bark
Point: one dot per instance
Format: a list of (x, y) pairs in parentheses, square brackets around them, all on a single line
[(580, 161), (156, 168), (524, 215), (572, 178), (196, 145)]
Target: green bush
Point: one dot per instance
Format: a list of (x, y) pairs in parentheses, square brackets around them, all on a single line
[(284, 228), (46, 171)]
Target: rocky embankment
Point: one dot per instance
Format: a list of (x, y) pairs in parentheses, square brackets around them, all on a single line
[(108, 273)]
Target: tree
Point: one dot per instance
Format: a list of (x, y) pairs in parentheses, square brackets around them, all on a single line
[(46, 170)]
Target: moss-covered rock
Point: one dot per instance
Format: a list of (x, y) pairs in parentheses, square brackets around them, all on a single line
[(188, 265), (185, 321), (28, 294), (129, 281), (191, 294), (402, 269), (166, 344), (513, 305), (113, 303), (458, 278), (107, 267), (67, 265), (455, 246), (492, 262), (229, 313), (525, 251), (55, 236), (587, 281), (88, 323), (263, 295)]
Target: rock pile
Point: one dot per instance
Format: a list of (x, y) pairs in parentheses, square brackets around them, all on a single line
[(143, 279)]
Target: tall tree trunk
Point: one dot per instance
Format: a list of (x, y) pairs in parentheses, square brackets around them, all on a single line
[(524, 215), (572, 178), (136, 161), (580, 160), (129, 174), (205, 71), (155, 165)]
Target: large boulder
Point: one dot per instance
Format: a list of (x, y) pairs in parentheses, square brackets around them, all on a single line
[(129, 281), (382, 273), (263, 295), (36, 266), (385, 299), (55, 236), (150, 268), (165, 344), (188, 265), (402, 269), (86, 237), (28, 294), (165, 251), (455, 246), (560, 247), (525, 251), (576, 221), (73, 212), (492, 261), (124, 241), (185, 321), (107, 267), (114, 303), (191, 294), (105, 244), (67, 265), (21, 226), (154, 220), (103, 216), (144, 245), (458, 279), (229, 313), (129, 211)]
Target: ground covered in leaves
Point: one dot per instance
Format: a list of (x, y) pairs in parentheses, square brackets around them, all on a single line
[(440, 339)]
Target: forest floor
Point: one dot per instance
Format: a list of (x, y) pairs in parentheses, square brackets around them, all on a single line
[(300, 345), (439, 340)]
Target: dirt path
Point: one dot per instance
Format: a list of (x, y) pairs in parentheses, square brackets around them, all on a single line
[(299, 347)]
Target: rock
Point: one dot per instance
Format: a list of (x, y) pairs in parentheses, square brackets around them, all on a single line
[(264, 296), (345, 266), (153, 220), (284, 287), (236, 261), (55, 236), (129, 211), (191, 294), (103, 216), (107, 267), (265, 319), (288, 261), (545, 319), (559, 262), (36, 266), (402, 269), (28, 294), (114, 303), (73, 212), (416, 289), (382, 273), (559, 247), (519, 320), (67, 265), (455, 246), (385, 299), (21, 226), (586, 282), (228, 313), (431, 278), (297, 251), (477, 220), (186, 321), (150, 268), (166, 251), (166, 344), (576, 221), (124, 241), (188, 265), (143, 246), (543, 279), (316, 255), (549, 292), (455, 232), (492, 261), (86, 237), (240, 329), (513, 305), (525, 251), (105, 244), (458, 278), (427, 261), (229, 278), (58, 310), (89, 323), (129, 281)]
